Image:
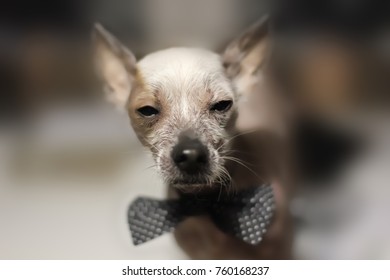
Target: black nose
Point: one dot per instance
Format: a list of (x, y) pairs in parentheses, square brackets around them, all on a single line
[(190, 155)]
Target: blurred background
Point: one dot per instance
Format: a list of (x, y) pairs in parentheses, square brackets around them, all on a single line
[(70, 163)]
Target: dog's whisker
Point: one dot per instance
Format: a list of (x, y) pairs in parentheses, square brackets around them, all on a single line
[(235, 136), (238, 159), (230, 152), (149, 167), (245, 166), (225, 180)]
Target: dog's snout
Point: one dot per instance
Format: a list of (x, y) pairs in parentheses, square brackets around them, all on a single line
[(190, 156)]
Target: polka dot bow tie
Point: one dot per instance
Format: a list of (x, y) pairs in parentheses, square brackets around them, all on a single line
[(245, 215)]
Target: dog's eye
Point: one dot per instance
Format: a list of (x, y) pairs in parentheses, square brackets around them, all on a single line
[(222, 106), (148, 111)]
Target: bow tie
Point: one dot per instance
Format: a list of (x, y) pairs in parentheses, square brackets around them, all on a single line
[(245, 215)]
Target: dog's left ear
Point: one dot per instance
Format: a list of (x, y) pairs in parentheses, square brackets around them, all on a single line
[(246, 54), (115, 64)]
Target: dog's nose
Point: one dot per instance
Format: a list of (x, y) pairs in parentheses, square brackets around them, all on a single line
[(190, 156)]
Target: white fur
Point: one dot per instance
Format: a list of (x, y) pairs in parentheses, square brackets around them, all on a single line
[(185, 70)]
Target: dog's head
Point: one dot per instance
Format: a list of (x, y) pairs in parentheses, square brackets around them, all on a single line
[(181, 104)]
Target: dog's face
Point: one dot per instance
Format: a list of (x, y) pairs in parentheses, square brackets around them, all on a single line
[(181, 105), (181, 109)]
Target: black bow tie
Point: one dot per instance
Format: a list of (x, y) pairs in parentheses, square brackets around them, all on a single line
[(245, 215)]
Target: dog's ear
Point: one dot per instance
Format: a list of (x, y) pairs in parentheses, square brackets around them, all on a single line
[(246, 54), (115, 64)]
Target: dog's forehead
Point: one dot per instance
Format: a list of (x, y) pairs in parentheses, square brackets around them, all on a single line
[(178, 60), (184, 69)]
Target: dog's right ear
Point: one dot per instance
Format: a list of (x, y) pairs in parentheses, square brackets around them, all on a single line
[(115, 64), (245, 55)]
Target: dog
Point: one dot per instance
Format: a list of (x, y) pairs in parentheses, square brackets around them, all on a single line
[(209, 122)]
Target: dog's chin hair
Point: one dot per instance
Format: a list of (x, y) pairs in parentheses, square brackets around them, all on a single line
[(192, 185), (178, 182), (194, 188)]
